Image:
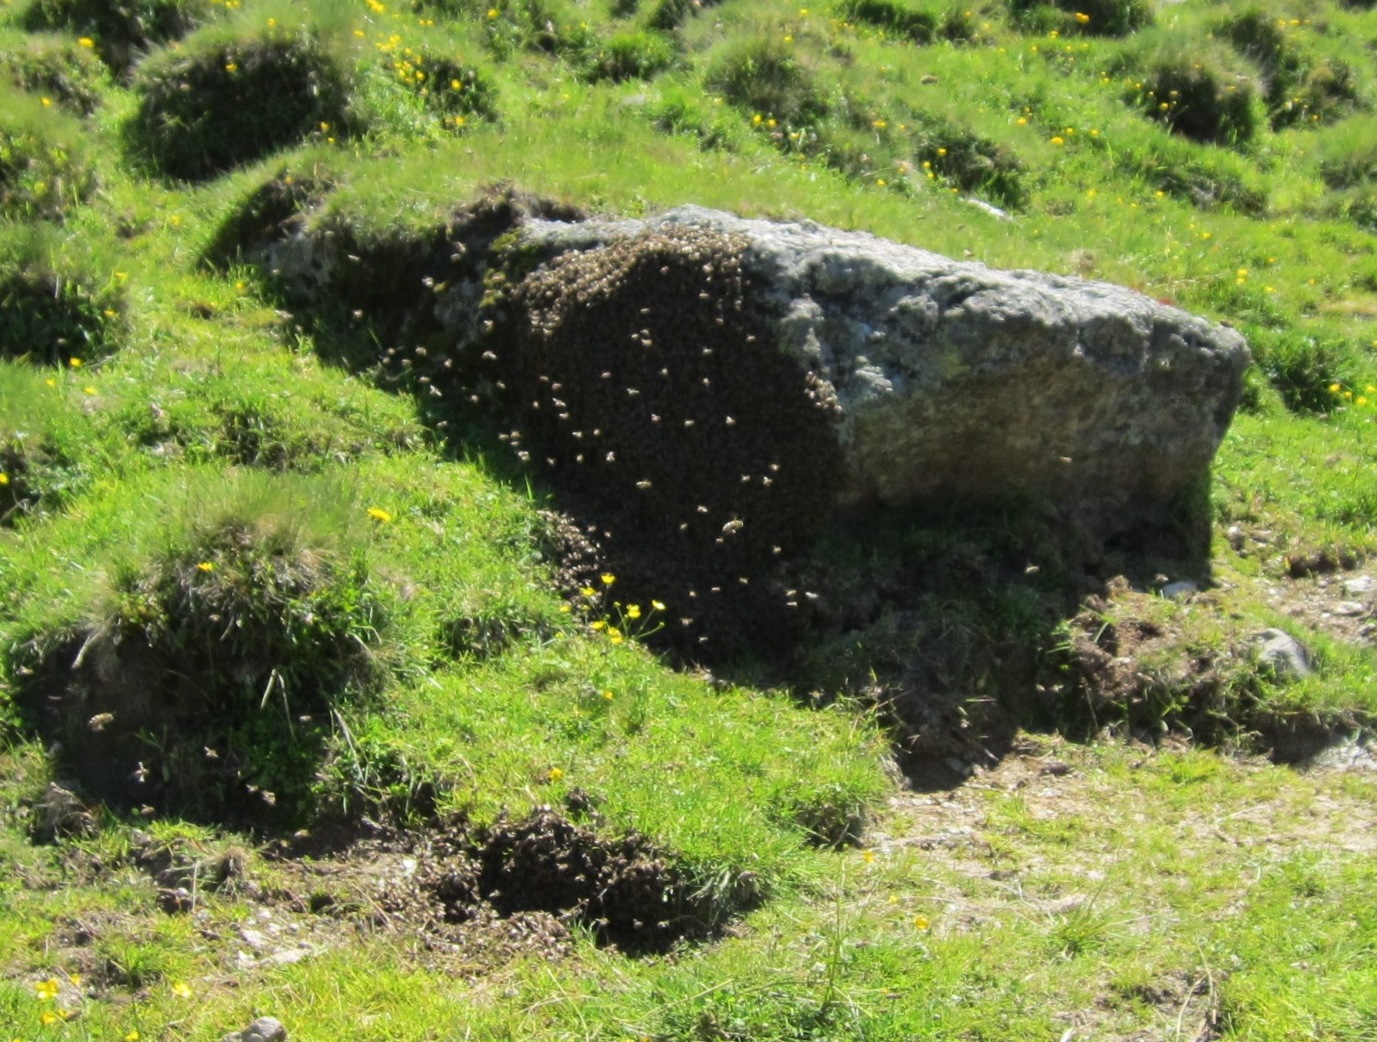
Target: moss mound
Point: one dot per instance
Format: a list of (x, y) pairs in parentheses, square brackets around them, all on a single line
[(43, 166), (122, 31), (52, 313), (67, 73), (1194, 97), (206, 684), (231, 101)]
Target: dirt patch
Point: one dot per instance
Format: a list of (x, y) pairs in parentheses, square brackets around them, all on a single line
[(533, 878)]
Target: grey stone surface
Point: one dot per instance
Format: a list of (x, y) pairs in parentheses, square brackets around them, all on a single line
[(1180, 590), (1284, 654), (958, 382), (264, 1029)]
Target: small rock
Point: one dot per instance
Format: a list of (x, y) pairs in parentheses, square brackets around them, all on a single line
[(1235, 536), (1284, 654), (264, 1029), (1360, 585), (1348, 609), (1180, 590)]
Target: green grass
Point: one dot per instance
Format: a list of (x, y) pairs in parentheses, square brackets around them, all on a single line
[(384, 635)]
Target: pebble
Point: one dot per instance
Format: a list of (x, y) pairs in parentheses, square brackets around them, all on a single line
[(1180, 590), (1286, 655), (1360, 585), (264, 1029), (1348, 609)]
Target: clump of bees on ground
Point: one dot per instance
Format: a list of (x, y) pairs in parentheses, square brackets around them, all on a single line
[(642, 378)]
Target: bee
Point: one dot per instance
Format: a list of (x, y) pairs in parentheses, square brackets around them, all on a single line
[(733, 526), (97, 723)]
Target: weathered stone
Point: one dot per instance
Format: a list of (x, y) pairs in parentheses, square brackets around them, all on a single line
[(1180, 590), (941, 381), (1285, 655), (264, 1029)]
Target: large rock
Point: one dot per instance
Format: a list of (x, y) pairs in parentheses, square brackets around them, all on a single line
[(867, 371)]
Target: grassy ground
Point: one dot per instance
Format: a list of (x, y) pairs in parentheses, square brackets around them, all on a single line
[(348, 749)]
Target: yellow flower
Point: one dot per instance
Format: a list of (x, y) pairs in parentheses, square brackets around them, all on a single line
[(879, 124), (492, 12), (555, 774), (88, 390), (4, 479), (599, 625), (75, 363), (181, 989), (47, 989), (133, 1036), (379, 514), (1360, 400), (231, 66), (48, 1018), (868, 856), (588, 591), (921, 922), (608, 579), (1370, 389), (1082, 18), (1059, 140), (87, 42), (660, 606), (633, 611), (608, 696)]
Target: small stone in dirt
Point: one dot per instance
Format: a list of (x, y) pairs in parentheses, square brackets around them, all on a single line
[(1348, 609), (1180, 590), (1283, 653), (1360, 585), (264, 1029)]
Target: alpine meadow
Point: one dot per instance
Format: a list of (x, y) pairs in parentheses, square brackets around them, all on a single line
[(437, 596)]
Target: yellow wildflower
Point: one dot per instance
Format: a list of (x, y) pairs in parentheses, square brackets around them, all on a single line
[(47, 989), (633, 611), (75, 363), (4, 479), (608, 578), (659, 605), (231, 66), (1082, 18), (87, 42), (379, 514), (47, 1018), (555, 774), (1059, 140), (133, 1036), (181, 989), (921, 922), (206, 566)]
